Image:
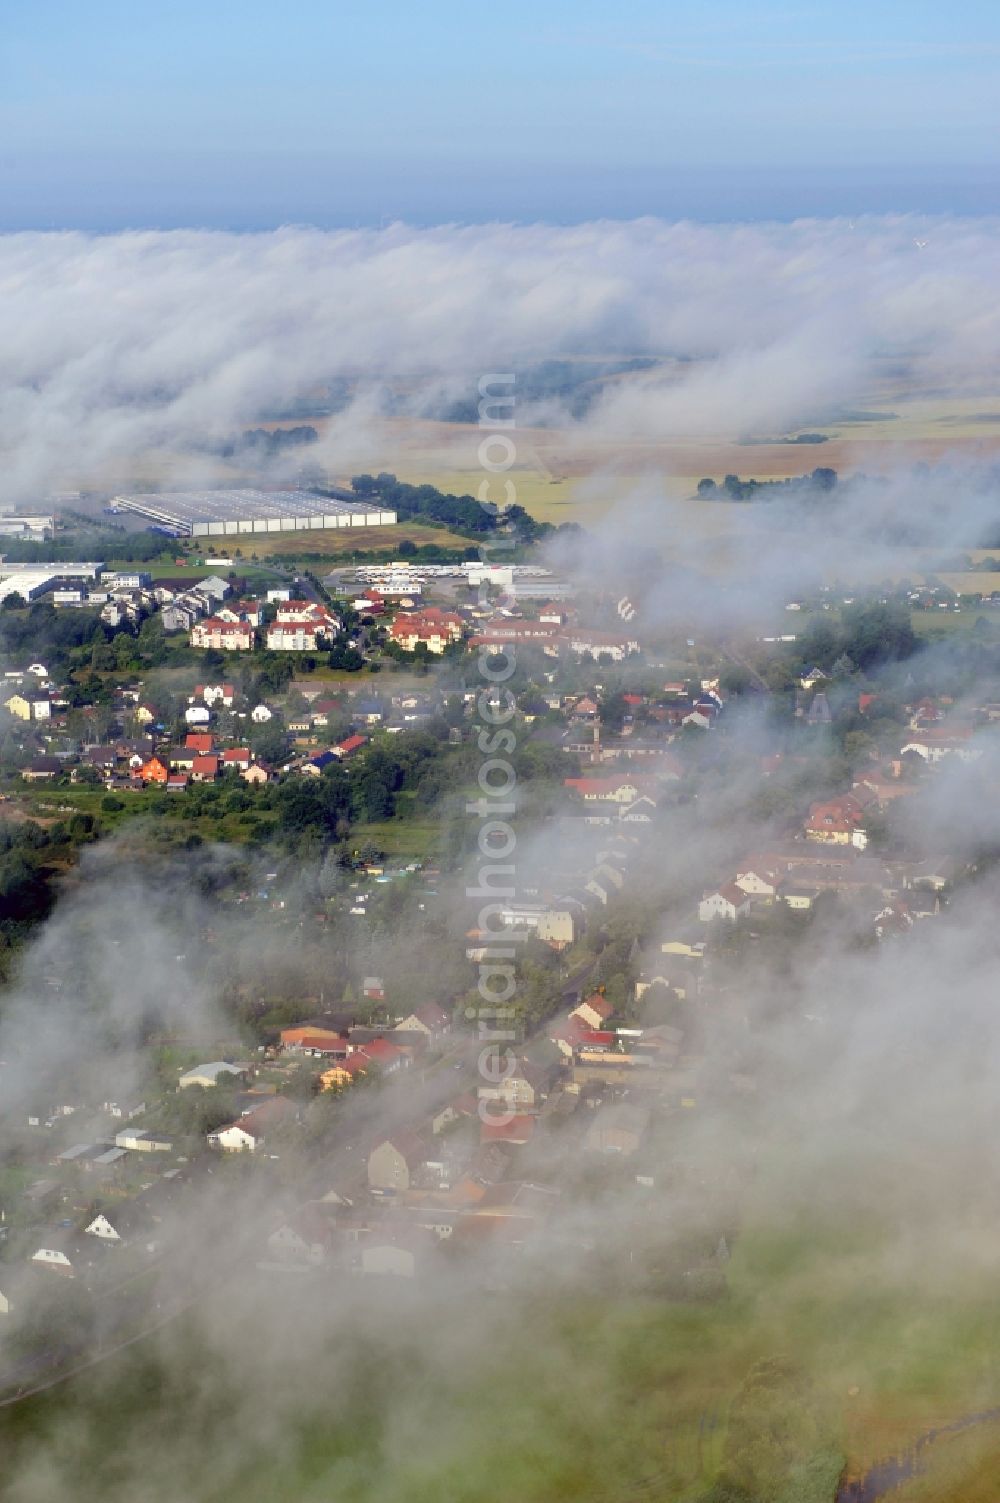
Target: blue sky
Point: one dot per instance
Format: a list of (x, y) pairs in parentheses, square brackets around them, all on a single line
[(249, 114)]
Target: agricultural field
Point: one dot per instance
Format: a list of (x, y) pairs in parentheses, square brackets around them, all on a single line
[(336, 542)]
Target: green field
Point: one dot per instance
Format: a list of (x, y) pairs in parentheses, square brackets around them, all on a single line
[(532, 1395)]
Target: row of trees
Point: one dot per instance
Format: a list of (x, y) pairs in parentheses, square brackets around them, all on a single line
[(465, 513), (820, 483)]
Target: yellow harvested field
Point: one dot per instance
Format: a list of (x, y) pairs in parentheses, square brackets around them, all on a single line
[(975, 581), (333, 542), (577, 475)]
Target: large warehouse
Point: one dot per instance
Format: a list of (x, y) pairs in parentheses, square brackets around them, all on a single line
[(229, 513)]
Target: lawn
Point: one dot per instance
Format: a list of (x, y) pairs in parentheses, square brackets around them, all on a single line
[(401, 839), (932, 624)]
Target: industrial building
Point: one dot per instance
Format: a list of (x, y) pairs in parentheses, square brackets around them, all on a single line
[(33, 580), (33, 528), (229, 513)]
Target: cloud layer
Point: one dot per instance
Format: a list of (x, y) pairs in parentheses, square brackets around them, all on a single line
[(115, 345)]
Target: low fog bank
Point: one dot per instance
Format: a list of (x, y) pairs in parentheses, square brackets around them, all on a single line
[(124, 344), (684, 568)]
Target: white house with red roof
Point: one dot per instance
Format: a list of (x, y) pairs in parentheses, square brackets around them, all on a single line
[(239, 757), (593, 1010), (249, 1132), (728, 902), (216, 694)]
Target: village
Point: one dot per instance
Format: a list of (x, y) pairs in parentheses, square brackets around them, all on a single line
[(362, 1115)]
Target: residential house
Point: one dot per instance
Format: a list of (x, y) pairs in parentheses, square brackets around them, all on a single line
[(42, 769), (217, 1072), (512, 1130), (217, 694), (238, 757), (799, 896), (224, 636), (430, 1019), (556, 927), (318, 1044), (59, 1251), (935, 745), (343, 1073), (758, 882), (615, 788), (114, 1224), (295, 1038), (728, 902), (394, 1161), (593, 1010), (29, 706), (141, 1140), (348, 747), (599, 644), (205, 769), (524, 1087), (308, 613), (315, 766), (432, 628), (387, 1056), (302, 1241), (248, 1133), (155, 770), (302, 638), (618, 1128), (369, 712)]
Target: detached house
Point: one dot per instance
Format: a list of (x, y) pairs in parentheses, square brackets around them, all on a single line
[(216, 694), (431, 1020), (248, 1133), (727, 902), (593, 1011), (394, 1161), (154, 771), (205, 769), (523, 1089), (758, 882)]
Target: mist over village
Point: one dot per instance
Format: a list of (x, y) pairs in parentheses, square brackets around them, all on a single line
[(499, 756)]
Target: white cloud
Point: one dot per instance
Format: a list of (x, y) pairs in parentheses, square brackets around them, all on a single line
[(114, 345)]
